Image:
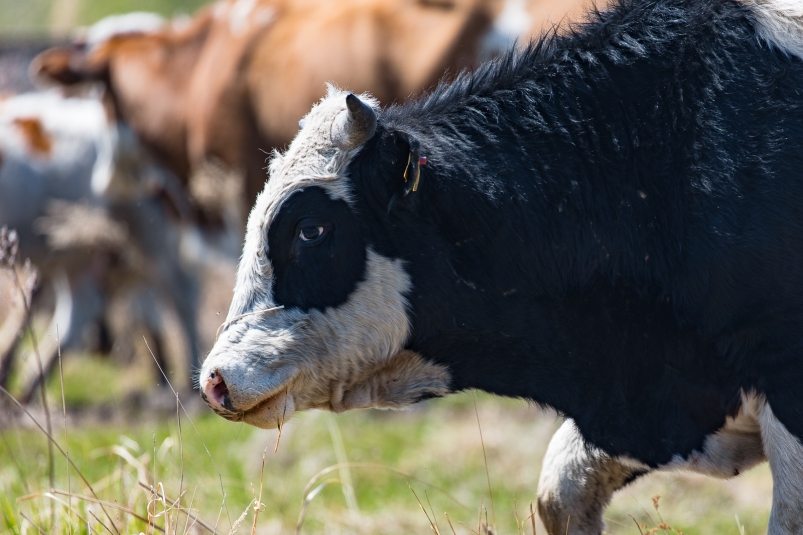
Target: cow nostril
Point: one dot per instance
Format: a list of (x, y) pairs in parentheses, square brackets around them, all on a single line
[(216, 389), (220, 390)]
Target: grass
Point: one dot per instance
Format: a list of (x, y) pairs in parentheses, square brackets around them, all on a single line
[(41, 17), (437, 443)]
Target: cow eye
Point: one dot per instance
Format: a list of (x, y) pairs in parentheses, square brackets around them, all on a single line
[(311, 234)]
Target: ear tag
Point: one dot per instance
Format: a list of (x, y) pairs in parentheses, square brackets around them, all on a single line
[(422, 160)]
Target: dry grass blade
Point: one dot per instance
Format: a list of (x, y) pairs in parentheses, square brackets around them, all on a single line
[(431, 510), (637, 524), (49, 496), (532, 517), (468, 528), (100, 522), (308, 499), (29, 326), (40, 530), (450, 523), (56, 444), (241, 519), (332, 468), (485, 458), (102, 503), (187, 519), (187, 512), (345, 473), (421, 505), (164, 506), (181, 453), (568, 519), (516, 515), (258, 505), (208, 453), (281, 423), (241, 316), (64, 413)]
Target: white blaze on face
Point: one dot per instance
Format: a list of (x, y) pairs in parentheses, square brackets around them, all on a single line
[(343, 357)]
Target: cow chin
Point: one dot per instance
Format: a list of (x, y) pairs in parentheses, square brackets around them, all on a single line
[(271, 412)]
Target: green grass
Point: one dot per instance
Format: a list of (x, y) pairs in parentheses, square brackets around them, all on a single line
[(41, 17), (437, 443)]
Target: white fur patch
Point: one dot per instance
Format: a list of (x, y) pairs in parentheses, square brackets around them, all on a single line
[(345, 357), (114, 25), (731, 450), (779, 23), (577, 482), (785, 454)]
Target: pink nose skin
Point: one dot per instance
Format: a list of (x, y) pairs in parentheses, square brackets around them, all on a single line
[(215, 390)]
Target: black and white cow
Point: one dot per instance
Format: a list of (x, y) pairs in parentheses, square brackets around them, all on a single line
[(609, 223)]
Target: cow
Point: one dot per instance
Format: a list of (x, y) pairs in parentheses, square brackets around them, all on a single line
[(231, 83), (98, 219), (609, 223)]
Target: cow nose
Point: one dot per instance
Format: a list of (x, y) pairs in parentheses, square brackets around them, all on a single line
[(215, 390)]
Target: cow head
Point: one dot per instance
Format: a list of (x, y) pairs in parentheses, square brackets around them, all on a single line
[(320, 317)]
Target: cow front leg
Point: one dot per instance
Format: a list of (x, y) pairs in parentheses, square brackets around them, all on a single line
[(577, 483), (785, 454)]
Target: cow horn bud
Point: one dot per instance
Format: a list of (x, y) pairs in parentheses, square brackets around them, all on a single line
[(354, 126)]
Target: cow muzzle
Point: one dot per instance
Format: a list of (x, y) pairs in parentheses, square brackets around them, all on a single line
[(267, 412)]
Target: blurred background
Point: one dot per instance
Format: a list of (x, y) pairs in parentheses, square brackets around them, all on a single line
[(133, 140), (58, 18)]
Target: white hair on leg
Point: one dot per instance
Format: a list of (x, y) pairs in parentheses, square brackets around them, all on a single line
[(779, 23), (731, 450), (577, 482), (785, 454)]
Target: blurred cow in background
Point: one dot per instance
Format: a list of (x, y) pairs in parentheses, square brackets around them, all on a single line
[(211, 94), (97, 218)]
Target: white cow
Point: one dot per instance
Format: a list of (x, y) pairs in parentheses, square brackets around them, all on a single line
[(89, 207)]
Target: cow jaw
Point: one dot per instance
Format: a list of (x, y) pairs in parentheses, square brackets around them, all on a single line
[(344, 357)]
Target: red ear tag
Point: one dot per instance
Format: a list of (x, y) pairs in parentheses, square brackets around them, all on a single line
[(422, 160)]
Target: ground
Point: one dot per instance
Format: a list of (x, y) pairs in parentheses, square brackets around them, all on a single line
[(436, 443)]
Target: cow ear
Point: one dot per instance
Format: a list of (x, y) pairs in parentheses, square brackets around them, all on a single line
[(404, 178), (69, 66)]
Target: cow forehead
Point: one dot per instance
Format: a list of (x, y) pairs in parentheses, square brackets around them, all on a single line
[(311, 159)]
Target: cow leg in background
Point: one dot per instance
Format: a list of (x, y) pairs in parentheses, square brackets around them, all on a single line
[(184, 294), (785, 454), (577, 482), (78, 302), (10, 336)]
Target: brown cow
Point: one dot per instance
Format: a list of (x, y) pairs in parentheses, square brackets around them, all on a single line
[(234, 81)]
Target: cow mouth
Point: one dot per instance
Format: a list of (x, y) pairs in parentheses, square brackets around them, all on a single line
[(268, 412), (272, 411)]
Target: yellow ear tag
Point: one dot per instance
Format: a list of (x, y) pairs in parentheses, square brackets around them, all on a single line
[(417, 171)]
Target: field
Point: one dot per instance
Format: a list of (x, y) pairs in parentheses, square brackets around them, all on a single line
[(21, 18), (434, 450)]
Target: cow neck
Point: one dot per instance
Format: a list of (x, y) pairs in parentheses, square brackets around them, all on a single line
[(552, 273)]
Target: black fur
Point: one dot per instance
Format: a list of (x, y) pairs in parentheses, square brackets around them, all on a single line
[(609, 223), (319, 273)]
